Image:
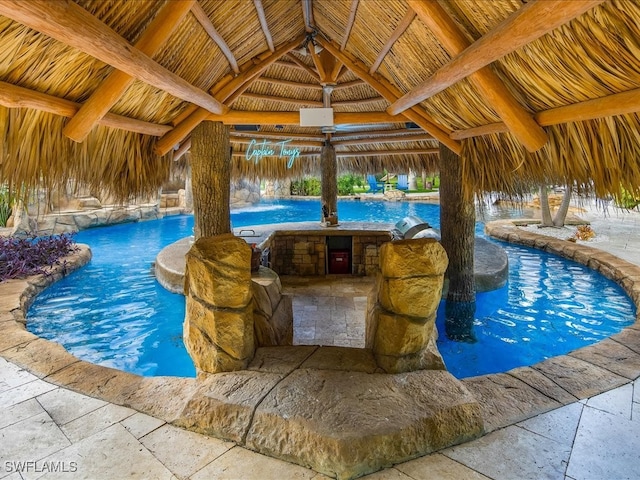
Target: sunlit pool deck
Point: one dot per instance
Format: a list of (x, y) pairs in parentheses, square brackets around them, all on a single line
[(589, 396)]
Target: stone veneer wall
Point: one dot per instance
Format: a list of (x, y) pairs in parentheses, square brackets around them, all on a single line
[(306, 254)]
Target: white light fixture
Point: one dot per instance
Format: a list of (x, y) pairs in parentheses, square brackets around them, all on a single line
[(316, 117)]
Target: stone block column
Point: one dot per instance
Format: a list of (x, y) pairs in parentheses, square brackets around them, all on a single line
[(218, 326), (401, 317)]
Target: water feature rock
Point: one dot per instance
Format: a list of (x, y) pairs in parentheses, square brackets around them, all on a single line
[(402, 309), (218, 326)]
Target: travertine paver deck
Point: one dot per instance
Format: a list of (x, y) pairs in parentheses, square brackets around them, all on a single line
[(593, 438)]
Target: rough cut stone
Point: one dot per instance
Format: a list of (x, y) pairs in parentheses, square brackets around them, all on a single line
[(347, 424), (282, 360), (611, 356), (401, 310), (218, 340), (414, 257), (400, 335), (218, 271), (505, 400), (541, 383), (342, 358), (413, 296), (223, 404), (40, 356)]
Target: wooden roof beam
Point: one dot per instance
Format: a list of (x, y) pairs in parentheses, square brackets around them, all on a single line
[(70, 24), (223, 91), (288, 83), (528, 23), (12, 96), (263, 24), (240, 117), (615, 104), (389, 139), (111, 89), (304, 66), (279, 135), (271, 98), (378, 133), (205, 21), (520, 122), (391, 94), (352, 18), (353, 83), (307, 14), (397, 33), (184, 148)]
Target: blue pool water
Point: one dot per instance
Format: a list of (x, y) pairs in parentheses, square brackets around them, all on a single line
[(113, 312)]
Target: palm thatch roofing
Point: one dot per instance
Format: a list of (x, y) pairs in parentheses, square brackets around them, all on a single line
[(107, 92)]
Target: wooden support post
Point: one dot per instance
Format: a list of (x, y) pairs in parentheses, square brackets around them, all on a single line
[(211, 179), (457, 229), (329, 166)]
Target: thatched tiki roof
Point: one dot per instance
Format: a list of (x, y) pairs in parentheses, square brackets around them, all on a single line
[(107, 92)]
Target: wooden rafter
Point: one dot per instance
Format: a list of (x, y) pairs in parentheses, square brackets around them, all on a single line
[(70, 24), (362, 101), (279, 135), (111, 89), (289, 83), (12, 96), (352, 83), (271, 98), (182, 149), (378, 133), (397, 33), (263, 24), (520, 122), (615, 104), (528, 23), (389, 139), (391, 94), (304, 66), (227, 88), (352, 18), (383, 153), (205, 21), (307, 14), (240, 117)]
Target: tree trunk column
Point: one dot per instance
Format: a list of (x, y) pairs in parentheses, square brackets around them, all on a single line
[(329, 197), (457, 222), (211, 179)]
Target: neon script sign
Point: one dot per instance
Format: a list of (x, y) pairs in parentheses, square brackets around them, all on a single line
[(259, 149)]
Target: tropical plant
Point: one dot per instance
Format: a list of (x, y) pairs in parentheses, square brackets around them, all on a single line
[(627, 200), (21, 257), (347, 182), (308, 186), (6, 200)]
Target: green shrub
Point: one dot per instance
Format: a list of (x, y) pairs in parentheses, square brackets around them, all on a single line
[(308, 186), (626, 200), (5, 205)]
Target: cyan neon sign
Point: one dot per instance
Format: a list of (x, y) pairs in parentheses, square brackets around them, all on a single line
[(259, 149)]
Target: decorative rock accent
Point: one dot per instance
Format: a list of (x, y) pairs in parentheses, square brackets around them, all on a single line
[(394, 195), (244, 193), (401, 316), (218, 326), (278, 188), (272, 311), (68, 222), (322, 418)]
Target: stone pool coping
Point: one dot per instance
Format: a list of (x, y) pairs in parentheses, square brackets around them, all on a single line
[(504, 398)]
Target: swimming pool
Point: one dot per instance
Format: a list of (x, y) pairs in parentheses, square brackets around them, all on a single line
[(114, 313)]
